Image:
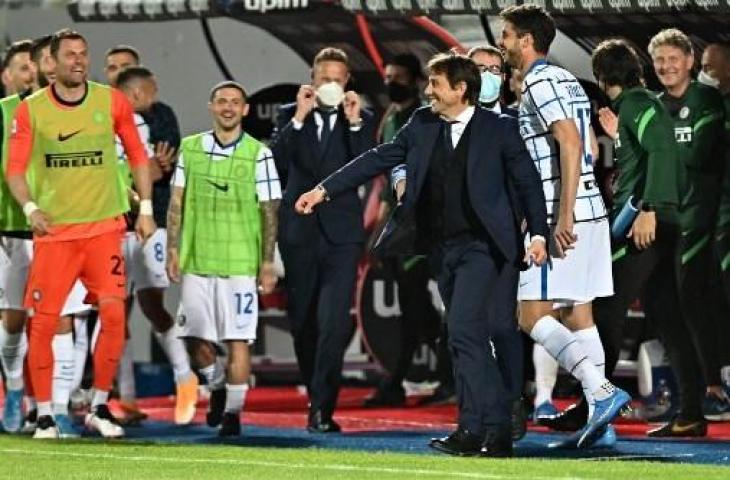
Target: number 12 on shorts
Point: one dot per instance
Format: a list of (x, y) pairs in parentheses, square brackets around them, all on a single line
[(244, 303)]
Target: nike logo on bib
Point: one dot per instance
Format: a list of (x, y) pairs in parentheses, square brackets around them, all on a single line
[(222, 188), (63, 138)]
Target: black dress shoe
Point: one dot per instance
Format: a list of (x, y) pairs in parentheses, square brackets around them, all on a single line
[(679, 427), (318, 424), (519, 419), (571, 419), (497, 442), (461, 442), (386, 397)]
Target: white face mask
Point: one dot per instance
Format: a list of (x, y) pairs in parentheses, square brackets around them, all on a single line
[(491, 87), (705, 78), (330, 94)]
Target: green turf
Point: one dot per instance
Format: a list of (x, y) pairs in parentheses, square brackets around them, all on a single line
[(25, 459)]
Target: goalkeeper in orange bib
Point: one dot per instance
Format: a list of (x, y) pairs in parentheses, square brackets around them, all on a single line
[(63, 171)]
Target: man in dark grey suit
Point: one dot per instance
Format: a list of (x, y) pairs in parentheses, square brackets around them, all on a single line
[(321, 132), (458, 159)]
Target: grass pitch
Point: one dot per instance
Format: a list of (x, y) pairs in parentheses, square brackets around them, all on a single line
[(24, 458)]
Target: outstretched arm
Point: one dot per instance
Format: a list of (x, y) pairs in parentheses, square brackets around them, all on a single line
[(358, 171)]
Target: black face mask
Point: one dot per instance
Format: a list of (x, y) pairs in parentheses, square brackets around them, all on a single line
[(397, 92)]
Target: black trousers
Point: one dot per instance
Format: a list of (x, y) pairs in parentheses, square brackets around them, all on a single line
[(467, 283), (320, 282), (701, 298), (653, 275), (507, 339), (722, 252), (420, 319)]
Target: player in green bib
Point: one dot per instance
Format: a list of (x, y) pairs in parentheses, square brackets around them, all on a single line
[(698, 117), (644, 251), (14, 239), (221, 229)]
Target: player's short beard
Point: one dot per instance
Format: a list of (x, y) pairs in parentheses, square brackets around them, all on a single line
[(514, 58), (69, 84), (43, 81)]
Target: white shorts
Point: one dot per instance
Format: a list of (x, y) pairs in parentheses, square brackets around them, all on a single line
[(146, 262), (218, 308), (15, 258), (583, 275)]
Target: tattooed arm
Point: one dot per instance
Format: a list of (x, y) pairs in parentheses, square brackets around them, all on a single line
[(174, 223), (267, 276)]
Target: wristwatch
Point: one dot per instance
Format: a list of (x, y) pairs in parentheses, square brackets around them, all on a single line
[(321, 188), (647, 207)]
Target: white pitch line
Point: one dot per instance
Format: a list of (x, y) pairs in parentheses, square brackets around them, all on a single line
[(258, 463), (637, 457)]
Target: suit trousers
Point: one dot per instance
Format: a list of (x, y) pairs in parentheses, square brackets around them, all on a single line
[(467, 283), (506, 336), (320, 283)]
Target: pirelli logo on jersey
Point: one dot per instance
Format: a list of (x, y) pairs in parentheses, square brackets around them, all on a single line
[(75, 160)]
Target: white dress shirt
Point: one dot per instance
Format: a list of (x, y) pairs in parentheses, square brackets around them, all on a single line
[(458, 125), (320, 123)]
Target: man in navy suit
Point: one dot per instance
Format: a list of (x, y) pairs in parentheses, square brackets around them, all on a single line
[(321, 132), (458, 159), (490, 63)]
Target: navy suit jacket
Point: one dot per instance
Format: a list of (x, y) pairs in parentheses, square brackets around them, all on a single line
[(496, 157), (301, 164)]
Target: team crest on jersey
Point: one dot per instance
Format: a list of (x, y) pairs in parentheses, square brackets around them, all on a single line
[(37, 295), (684, 112), (14, 127), (181, 319), (98, 117), (683, 134)]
